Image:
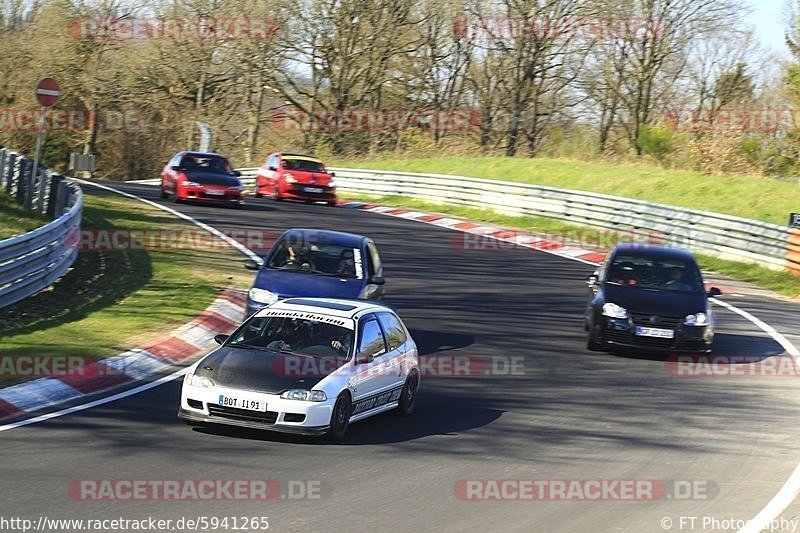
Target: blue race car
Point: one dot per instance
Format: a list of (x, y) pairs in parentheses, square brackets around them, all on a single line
[(317, 263)]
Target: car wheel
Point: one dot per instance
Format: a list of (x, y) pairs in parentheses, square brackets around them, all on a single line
[(276, 194), (332, 204), (592, 345), (340, 418), (176, 198), (408, 396), (257, 194), (164, 194)]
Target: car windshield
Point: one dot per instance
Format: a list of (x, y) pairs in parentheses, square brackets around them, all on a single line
[(207, 164), (654, 272), (290, 334), (306, 165), (322, 259)]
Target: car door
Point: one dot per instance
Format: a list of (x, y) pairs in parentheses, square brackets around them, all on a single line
[(372, 365), (397, 347)]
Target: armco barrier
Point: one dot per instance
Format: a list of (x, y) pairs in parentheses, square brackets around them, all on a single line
[(720, 235), (35, 260)]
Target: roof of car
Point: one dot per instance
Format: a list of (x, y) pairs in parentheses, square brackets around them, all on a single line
[(340, 238), (297, 154), (649, 250), (202, 154), (328, 306)]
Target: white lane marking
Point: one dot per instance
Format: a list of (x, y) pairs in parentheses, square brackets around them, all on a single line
[(233, 242), (779, 338), (95, 403)]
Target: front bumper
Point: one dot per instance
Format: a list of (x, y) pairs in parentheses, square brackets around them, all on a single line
[(212, 195), (298, 191), (201, 405), (686, 339)]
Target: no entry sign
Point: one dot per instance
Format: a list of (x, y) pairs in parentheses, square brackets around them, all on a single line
[(47, 92)]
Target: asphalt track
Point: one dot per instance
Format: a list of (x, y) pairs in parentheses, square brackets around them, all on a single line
[(572, 415)]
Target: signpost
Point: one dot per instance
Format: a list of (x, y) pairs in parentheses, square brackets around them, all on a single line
[(47, 93)]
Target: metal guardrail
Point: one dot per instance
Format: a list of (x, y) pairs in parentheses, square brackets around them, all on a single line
[(35, 260), (723, 236)]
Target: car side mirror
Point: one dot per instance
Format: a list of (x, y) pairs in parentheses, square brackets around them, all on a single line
[(251, 264), (377, 280), (592, 280), (220, 339), (713, 292), (176, 167), (362, 359), (332, 174), (237, 173), (272, 168)]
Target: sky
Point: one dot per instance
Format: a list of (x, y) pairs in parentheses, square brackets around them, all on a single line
[(768, 19)]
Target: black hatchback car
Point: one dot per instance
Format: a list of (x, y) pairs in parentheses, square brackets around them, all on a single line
[(652, 298)]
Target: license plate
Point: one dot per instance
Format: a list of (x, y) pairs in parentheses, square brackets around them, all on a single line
[(242, 403), (655, 332), (313, 189), (215, 193)]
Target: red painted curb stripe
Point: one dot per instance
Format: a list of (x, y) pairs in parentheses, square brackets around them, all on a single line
[(94, 377), (215, 322), (172, 349)]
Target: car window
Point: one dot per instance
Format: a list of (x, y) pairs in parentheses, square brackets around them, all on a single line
[(371, 340), (295, 335), (206, 163), (272, 161), (655, 272), (305, 165), (395, 334), (312, 258)]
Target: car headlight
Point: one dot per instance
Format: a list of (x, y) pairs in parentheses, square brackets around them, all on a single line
[(192, 184), (304, 395), (199, 381), (262, 296), (289, 178), (614, 311), (699, 319)]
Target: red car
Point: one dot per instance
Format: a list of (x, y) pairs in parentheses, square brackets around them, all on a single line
[(295, 177), (201, 176)]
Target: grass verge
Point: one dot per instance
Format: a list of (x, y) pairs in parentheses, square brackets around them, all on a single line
[(780, 282), (111, 301), (15, 219), (754, 197)]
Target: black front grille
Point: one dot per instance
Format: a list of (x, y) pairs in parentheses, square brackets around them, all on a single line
[(656, 321), (618, 336), (653, 342), (232, 413)]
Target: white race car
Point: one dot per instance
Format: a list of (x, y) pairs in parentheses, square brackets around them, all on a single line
[(306, 365)]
